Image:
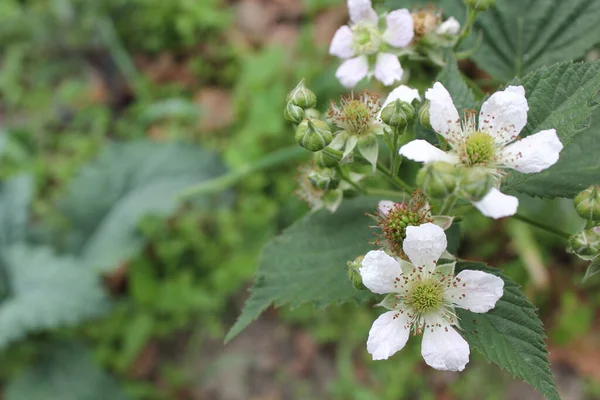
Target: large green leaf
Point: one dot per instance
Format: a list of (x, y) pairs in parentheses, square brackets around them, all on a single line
[(45, 292), (129, 180), (510, 335), (64, 372), (577, 168), (563, 97), (15, 198), (307, 263), (521, 36)]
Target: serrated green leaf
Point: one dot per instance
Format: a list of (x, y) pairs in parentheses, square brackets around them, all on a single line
[(510, 335), (521, 36), (307, 263), (577, 168), (64, 372), (453, 81), (127, 181), (45, 292), (563, 97)]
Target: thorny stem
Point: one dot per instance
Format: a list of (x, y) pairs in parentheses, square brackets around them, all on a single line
[(541, 226)]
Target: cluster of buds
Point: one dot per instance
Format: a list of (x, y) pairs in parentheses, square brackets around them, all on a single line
[(440, 180), (311, 133), (586, 244)]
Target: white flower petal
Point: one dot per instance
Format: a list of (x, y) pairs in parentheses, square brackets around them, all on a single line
[(497, 205), (402, 93), (384, 206), (449, 27), (476, 291), (400, 30), (380, 272), (341, 44), (362, 11), (424, 244), (388, 69), (443, 348), (388, 335), (443, 116), (534, 153), (504, 114), (422, 151), (352, 71)]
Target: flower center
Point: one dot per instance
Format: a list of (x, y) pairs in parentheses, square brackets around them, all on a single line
[(365, 39), (425, 296), (356, 114), (480, 148)]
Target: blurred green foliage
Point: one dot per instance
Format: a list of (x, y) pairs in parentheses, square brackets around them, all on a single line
[(76, 75)]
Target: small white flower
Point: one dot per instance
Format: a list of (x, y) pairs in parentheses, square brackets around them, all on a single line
[(449, 27), (494, 143), (363, 38), (422, 298)]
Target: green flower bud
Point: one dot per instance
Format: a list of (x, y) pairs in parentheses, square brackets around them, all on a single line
[(475, 182), (327, 160), (301, 96), (312, 113), (313, 134), (479, 5), (586, 244), (398, 114), (424, 115), (354, 274), (438, 180), (324, 179), (587, 203), (293, 113)]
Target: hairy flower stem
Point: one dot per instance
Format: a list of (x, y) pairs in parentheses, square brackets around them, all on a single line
[(448, 205), (539, 225), (392, 178), (466, 30), (346, 178)]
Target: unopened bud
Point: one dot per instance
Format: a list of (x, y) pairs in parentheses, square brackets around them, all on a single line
[(313, 134), (586, 244), (327, 159), (438, 180), (293, 113), (301, 96), (354, 273), (424, 115), (324, 179), (475, 182), (587, 203), (479, 5), (312, 113), (398, 114)]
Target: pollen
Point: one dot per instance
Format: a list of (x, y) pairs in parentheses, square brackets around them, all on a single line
[(426, 296), (480, 148)]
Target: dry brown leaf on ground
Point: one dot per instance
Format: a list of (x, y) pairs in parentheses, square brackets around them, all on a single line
[(216, 110)]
